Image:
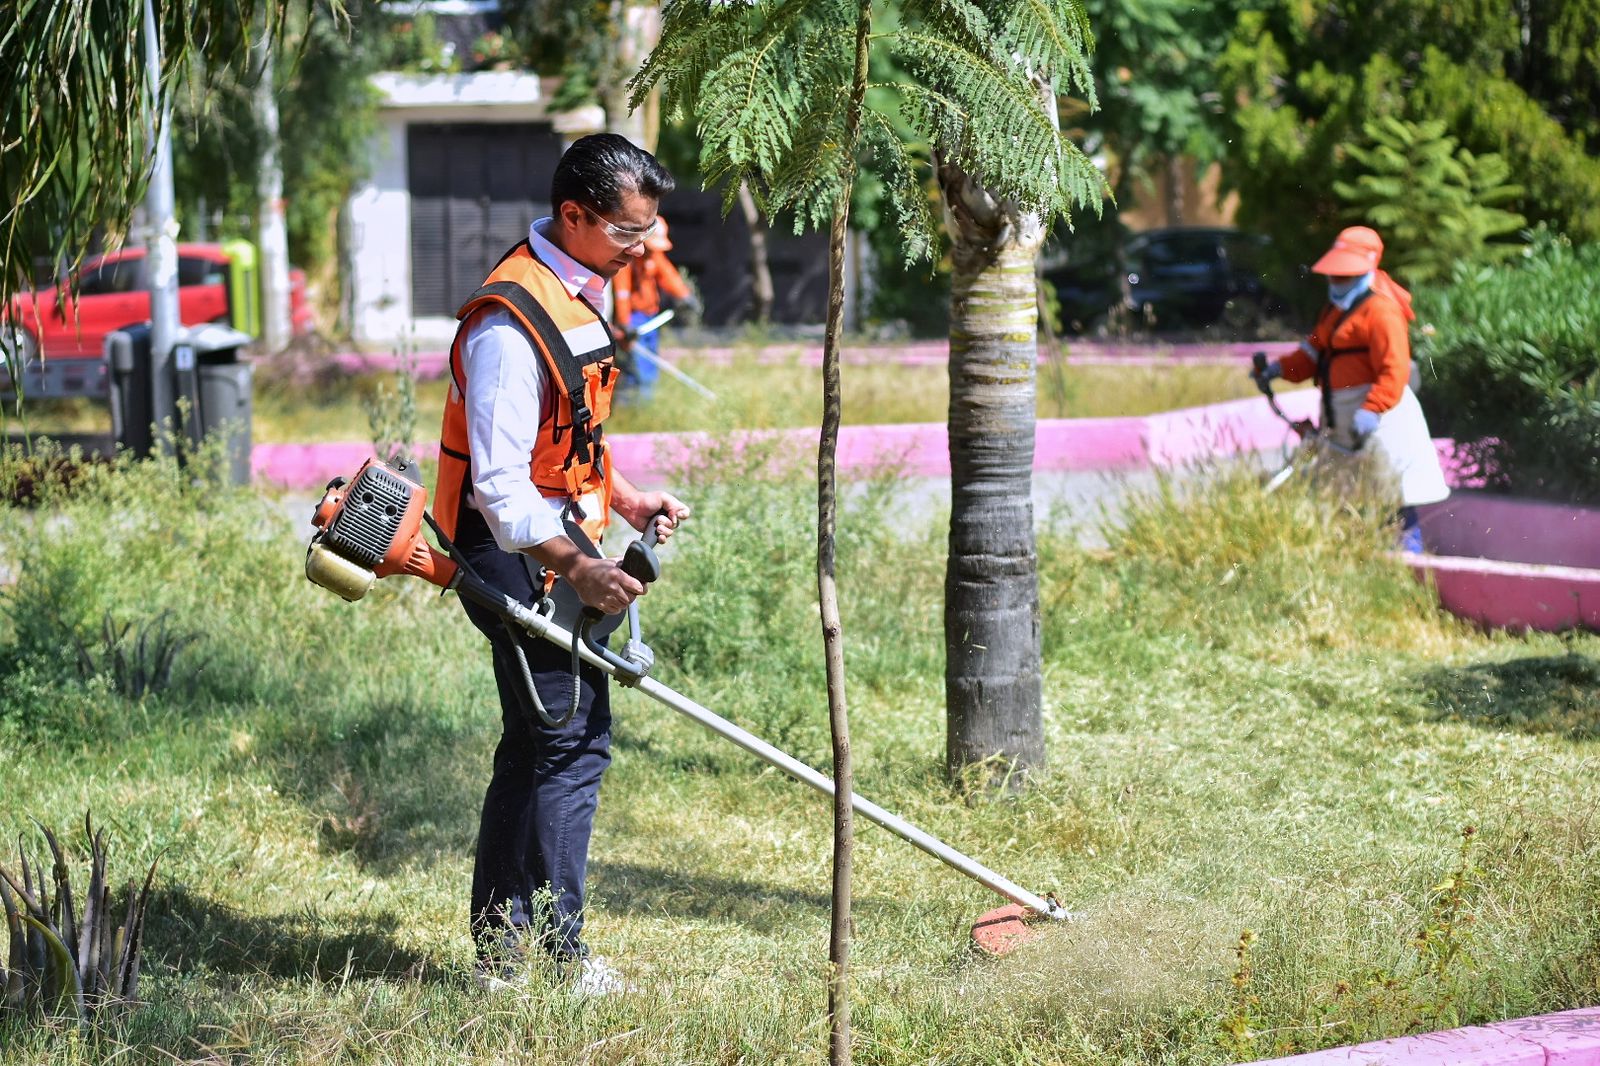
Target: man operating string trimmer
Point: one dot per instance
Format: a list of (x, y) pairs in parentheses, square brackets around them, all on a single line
[(525, 485), (521, 454), (1359, 353)]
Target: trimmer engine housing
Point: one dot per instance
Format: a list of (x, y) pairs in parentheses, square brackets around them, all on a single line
[(371, 527)]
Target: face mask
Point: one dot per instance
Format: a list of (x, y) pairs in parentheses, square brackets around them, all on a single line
[(1338, 290)]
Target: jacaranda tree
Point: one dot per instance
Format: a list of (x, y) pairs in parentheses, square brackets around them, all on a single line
[(777, 92)]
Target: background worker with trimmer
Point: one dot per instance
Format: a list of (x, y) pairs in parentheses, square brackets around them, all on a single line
[(525, 478), (637, 293), (1359, 353)]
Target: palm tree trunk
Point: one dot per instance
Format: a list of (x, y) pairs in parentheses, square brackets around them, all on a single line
[(993, 689)]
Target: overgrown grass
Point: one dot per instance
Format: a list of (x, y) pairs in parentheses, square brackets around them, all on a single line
[(1257, 721)]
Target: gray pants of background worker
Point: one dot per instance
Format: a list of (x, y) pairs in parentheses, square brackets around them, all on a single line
[(539, 808)]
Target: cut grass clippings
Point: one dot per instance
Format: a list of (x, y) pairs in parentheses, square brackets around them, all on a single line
[(1265, 740)]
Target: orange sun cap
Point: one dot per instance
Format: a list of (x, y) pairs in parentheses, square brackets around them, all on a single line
[(1355, 250), (657, 241)]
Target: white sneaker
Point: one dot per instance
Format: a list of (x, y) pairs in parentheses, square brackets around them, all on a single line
[(496, 977), (595, 976)]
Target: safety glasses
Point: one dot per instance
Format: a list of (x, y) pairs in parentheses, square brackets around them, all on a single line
[(622, 236)]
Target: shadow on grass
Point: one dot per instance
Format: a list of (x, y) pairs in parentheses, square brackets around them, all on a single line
[(188, 933), (1546, 695), (632, 888), (388, 784)]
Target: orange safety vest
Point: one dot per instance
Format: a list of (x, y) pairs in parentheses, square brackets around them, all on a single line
[(570, 458), (639, 285), (1366, 345)]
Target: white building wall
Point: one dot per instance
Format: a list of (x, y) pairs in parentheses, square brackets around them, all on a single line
[(380, 243), (379, 212)]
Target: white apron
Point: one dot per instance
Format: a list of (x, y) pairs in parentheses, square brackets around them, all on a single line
[(1402, 439)]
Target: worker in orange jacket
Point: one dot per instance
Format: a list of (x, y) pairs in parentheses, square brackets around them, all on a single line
[(1359, 353), (636, 294)]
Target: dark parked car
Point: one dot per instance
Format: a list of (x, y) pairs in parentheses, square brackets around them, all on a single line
[(1174, 279)]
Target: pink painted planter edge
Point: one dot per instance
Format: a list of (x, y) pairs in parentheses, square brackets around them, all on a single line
[(428, 365), (1512, 596), (1168, 439), (1566, 1038)]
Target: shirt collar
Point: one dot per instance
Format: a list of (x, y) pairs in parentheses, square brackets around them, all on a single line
[(578, 278)]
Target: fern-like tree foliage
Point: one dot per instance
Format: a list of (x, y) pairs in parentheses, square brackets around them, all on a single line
[(76, 107), (1435, 202), (778, 93), (768, 87)]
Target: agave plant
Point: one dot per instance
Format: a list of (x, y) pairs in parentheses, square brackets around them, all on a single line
[(61, 959), (137, 660)]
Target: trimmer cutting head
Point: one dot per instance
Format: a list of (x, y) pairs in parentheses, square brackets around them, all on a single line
[(1005, 929)]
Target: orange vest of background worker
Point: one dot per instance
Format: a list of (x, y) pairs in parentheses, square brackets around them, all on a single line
[(1359, 353), (636, 294)]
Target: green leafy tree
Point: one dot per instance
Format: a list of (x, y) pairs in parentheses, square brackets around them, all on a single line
[(595, 46), (1154, 69), (327, 112), (1300, 82), (1513, 372), (778, 93), (1433, 200), (76, 112)]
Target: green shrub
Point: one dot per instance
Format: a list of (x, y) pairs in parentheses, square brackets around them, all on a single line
[(1433, 200), (1513, 369), (737, 609)]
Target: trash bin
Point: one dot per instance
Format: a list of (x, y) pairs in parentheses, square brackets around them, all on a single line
[(217, 385), (127, 353)]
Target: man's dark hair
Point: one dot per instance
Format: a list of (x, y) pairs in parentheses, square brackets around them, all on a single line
[(599, 168)]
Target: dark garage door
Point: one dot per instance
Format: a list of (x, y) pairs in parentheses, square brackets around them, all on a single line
[(474, 189)]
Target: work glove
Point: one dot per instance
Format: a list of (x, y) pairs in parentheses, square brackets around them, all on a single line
[(1263, 373), (1364, 423)]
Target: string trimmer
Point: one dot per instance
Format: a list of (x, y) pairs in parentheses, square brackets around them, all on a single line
[(371, 526), (639, 351), (1307, 430)]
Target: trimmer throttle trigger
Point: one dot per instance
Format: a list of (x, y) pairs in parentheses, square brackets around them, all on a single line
[(640, 563), (639, 560)]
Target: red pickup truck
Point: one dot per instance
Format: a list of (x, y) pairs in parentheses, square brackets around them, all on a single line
[(113, 291)]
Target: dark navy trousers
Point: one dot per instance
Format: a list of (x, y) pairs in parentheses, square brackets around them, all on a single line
[(539, 808)]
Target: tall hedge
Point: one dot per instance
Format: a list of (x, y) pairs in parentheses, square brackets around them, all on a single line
[(1511, 367)]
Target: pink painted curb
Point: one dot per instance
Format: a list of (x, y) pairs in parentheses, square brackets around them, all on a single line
[(1508, 563), (1167, 440), (1570, 1038)]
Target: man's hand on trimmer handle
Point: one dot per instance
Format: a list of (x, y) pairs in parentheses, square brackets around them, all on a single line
[(662, 508), (599, 583)]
